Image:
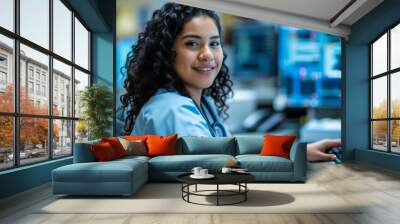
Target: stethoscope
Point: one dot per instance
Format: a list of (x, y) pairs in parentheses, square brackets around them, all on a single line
[(212, 126)]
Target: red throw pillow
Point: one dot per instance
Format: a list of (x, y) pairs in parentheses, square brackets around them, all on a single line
[(116, 145), (161, 145), (103, 152), (277, 145)]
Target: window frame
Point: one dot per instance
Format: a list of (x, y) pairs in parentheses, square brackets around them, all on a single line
[(16, 115), (388, 74)]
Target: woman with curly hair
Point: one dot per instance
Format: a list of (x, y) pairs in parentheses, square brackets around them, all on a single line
[(177, 81)]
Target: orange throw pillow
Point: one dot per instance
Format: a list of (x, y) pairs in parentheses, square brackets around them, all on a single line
[(136, 137), (277, 145), (103, 152), (161, 145), (116, 145)]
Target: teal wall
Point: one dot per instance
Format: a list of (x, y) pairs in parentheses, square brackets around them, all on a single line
[(99, 16), (102, 55), (24, 178), (103, 66), (357, 85)]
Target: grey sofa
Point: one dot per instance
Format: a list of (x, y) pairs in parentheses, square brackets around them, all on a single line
[(125, 176)]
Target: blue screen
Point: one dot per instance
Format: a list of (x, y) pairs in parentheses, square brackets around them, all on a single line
[(309, 67), (254, 47)]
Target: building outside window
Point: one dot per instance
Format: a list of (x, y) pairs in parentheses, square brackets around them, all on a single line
[(35, 52), (43, 90), (30, 72), (3, 77), (385, 96), (44, 77), (3, 71), (38, 89), (30, 87), (3, 61), (55, 96), (37, 75), (3, 81)]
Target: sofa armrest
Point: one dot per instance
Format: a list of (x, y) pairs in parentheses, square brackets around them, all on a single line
[(298, 155), (83, 152)]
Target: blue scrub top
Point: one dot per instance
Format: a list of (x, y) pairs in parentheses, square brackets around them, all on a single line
[(169, 113)]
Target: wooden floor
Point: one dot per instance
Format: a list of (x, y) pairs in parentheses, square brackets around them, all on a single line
[(378, 188)]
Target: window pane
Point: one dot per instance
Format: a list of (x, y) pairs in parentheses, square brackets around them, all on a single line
[(395, 94), (81, 45), (62, 29), (395, 47), (6, 74), (395, 135), (7, 14), (6, 142), (62, 89), (379, 135), (62, 141), (35, 21), (34, 72), (81, 81), (33, 140), (81, 131), (379, 98), (379, 55)]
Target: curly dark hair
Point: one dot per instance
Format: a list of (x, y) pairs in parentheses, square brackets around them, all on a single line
[(152, 58)]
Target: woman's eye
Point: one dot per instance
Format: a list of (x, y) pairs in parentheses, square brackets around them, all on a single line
[(192, 44), (215, 44)]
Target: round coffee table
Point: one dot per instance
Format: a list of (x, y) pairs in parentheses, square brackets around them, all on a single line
[(238, 179)]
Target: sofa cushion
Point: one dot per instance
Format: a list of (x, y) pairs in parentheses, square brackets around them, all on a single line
[(101, 170), (249, 144), (161, 145), (206, 145), (135, 137), (103, 152), (116, 145), (185, 163), (277, 145), (134, 147), (96, 172), (257, 163), (118, 177), (132, 158)]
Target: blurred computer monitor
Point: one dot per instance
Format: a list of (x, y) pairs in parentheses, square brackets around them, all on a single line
[(254, 46), (309, 67)]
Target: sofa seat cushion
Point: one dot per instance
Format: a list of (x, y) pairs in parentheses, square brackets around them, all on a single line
[(131, 158), (201, 145), (257, 163), (249, 144), (112, 171), (185, 163)]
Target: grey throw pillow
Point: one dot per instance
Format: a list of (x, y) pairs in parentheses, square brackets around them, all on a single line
[(137, 148)]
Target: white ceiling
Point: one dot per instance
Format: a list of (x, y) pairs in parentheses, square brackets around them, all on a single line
[(319, 15)]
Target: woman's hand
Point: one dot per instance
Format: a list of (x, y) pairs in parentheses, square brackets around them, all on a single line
[(317, 151)]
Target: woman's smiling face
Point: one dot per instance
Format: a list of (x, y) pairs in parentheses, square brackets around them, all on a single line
[(198, 53)]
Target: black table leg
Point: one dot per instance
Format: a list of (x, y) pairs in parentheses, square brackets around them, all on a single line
[(188, 189), (245, 193), (182, 190), (217, 194)]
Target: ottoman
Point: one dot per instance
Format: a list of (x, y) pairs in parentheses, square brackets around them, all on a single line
[(118, 177)]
